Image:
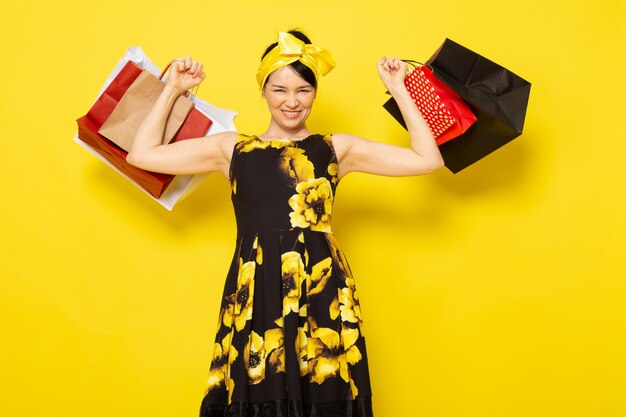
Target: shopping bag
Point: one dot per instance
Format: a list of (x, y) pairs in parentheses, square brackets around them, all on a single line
[(497, 97), (445, 112), (122, 125), (154, 183), (124, 74)]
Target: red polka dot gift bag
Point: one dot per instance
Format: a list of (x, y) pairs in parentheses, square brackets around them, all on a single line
[(446, 113)]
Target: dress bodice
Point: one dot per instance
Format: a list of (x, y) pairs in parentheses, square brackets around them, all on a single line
[(283, 184)]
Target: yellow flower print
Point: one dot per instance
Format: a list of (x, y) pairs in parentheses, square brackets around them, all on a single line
[(320, 274), (333, 169), (296, 165), (244, 294), (292, 271), (251, 145), (312, 205), (301, 348), (275, 349), (311, 323), (325, 353), (349, 303), (223, 356), (259, 251), (230, 383), (230, 387), (349, 337), (303, 310), (227, 310), (329, 140), (333, 309), (354, 390), (323, 361), (329, 354), (254, 142), (338, 256), (254, 358)]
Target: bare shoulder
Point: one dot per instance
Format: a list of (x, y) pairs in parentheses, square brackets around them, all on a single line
[(225, 141), (227, 136), (342, 142)]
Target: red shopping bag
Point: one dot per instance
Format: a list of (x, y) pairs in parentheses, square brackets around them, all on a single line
[(446, 113), (195, 125)]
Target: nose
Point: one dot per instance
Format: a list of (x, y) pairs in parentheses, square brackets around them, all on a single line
[(291, 101)]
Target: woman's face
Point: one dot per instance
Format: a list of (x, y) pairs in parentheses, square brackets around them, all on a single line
[(289, 98)]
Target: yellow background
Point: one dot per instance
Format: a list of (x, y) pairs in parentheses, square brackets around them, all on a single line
[(499, 291)]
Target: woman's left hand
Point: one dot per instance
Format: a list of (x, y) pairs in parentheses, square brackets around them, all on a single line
[(392, 72)]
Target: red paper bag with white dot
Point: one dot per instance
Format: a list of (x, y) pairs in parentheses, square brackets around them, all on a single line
[(446, 113)]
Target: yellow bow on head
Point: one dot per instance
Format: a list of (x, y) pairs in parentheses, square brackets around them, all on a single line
[(291, 49)]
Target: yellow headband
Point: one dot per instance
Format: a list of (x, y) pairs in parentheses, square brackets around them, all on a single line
[(291, 49)]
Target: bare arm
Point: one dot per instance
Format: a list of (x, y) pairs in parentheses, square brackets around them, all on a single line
[(422, 157), (191, 156)]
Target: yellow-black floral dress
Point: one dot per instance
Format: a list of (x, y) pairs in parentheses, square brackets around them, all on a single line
[(290, 339)]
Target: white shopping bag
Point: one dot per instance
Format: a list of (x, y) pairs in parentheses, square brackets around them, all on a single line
[(222, 120)]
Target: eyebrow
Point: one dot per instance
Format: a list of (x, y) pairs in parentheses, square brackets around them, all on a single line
[(282, 86)]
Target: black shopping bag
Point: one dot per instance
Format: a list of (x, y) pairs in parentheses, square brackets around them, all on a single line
[(495, 95)]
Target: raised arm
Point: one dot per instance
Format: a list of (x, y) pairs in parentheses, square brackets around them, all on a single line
[(190, 156), (422, 157)]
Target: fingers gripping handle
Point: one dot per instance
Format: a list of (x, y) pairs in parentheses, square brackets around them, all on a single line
[(192, 93)]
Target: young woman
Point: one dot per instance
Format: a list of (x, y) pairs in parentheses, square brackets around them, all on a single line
[(289, 340)]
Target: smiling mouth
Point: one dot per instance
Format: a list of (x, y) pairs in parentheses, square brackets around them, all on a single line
[(291, 114)]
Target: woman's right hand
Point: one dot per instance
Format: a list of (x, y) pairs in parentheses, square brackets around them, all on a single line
[(185, 73)]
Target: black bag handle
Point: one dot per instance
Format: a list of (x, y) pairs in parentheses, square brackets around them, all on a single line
[(412, 62)]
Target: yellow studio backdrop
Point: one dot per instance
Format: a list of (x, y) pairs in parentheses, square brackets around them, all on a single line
[(498, 291)]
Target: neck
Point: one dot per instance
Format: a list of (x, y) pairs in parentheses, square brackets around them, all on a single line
[(275, 131)]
